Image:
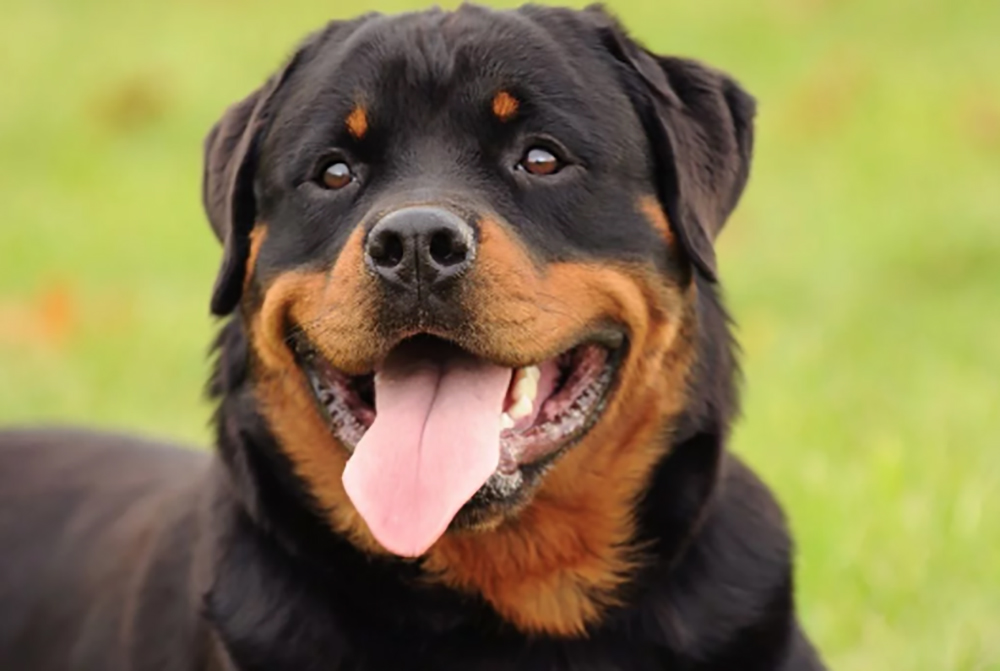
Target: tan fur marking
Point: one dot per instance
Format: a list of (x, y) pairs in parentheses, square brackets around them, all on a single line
[(257, 237), (505, 106), (357, 122), (651, 209)]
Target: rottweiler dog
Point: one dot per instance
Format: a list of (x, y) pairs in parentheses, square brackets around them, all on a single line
[(474, 388)]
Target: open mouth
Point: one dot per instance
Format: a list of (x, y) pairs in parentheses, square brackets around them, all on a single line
[(546, 405), (434, 426)]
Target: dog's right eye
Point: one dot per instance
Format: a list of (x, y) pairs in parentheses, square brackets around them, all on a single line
[(337, 175)]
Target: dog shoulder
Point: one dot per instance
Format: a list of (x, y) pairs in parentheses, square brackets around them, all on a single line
[(729, 596)]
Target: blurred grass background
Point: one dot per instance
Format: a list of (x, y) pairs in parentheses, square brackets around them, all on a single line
[(863, 267)]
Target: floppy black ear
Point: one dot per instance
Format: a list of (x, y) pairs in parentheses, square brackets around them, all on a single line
[(227, 194), (700, 126), (228, 185)]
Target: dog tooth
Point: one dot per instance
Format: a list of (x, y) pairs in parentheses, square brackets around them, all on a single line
[(505, 421), (529, 372), (522, 408), (526, 387)]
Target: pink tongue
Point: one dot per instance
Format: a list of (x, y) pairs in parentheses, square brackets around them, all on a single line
[(435, 441)]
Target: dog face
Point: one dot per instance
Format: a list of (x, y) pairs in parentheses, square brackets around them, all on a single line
[(464, 249)]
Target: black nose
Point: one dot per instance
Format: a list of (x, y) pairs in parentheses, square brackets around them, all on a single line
[(420, 246)]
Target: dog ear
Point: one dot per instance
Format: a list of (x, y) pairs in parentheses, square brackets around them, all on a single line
[(700, 126), (228, 184), (227, 194)]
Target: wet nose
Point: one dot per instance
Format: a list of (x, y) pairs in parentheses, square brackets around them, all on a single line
[(420, 246)]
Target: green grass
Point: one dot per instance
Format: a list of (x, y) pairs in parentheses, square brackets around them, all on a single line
[(863, 267)]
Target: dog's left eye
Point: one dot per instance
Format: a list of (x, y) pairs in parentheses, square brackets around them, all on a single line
[(337, 175), (541, 162)]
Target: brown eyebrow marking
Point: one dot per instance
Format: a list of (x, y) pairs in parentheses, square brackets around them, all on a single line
[(357, 122), (505, 106)]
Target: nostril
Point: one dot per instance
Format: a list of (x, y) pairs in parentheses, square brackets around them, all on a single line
[(386, 248), (414, 245), (448, 248)]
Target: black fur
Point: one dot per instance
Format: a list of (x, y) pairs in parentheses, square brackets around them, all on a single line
[(120, 555)]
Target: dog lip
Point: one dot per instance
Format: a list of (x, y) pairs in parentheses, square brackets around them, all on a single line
[(612, 338), (336, 395)]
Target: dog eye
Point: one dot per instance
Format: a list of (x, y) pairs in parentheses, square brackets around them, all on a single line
[(337, 175), (540, 162)]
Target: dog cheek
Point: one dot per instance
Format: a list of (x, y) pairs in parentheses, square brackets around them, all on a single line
[(335, 309), (315, 301), (523, 310), (500, 295)]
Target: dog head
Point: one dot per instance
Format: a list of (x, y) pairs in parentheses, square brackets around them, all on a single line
[(465, 248)]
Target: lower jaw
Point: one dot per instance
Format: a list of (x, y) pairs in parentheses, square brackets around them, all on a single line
[(504, 495)]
